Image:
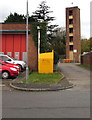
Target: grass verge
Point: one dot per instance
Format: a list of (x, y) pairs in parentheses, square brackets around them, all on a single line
[(51, 78), (86, 67)]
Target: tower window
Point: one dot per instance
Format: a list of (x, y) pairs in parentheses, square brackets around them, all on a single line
[(70, 30), (71, 39), (70, 12), (70, 21), (71, 47)]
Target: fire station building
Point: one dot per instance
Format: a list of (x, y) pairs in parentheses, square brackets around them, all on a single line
[(13, 43)]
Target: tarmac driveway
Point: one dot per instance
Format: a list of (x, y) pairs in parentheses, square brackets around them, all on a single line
[(80, 77)]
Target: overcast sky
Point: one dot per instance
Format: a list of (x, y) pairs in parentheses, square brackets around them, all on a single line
[(57, 6)]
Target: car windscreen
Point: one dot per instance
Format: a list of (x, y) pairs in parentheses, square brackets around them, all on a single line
[(4, 58)]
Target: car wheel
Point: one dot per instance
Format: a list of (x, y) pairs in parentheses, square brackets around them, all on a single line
[(5, 75)]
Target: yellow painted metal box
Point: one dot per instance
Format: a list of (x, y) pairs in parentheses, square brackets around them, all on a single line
[(45, 62)]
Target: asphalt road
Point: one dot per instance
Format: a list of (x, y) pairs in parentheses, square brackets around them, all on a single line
[(70, 103), (80, 77)]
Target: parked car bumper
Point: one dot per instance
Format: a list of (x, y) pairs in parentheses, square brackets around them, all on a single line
[(15, 73)]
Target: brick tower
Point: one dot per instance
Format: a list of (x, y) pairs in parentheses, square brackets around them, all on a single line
[(73, 44)]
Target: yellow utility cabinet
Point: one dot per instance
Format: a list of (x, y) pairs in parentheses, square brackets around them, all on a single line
[(45, 62)]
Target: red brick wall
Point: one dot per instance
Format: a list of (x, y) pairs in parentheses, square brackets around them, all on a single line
[(76, 32), (32, 53), (77, 42), (11, 26), (87, 59)]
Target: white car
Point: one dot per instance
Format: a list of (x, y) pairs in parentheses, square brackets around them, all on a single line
[(8, 59)]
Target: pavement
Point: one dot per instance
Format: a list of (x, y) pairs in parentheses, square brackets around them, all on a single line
[(18, 85)]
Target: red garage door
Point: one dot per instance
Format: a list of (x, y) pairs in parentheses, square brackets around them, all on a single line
[(14, 45)]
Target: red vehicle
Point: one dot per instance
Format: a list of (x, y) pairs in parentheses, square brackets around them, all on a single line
[(6, 72), (11, 65)]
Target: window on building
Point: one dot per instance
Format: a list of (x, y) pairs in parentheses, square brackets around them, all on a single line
[(70, 12), (9, 54), (70, 30), (71, 47), (71, 38), (17, 55), (70, 21)]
